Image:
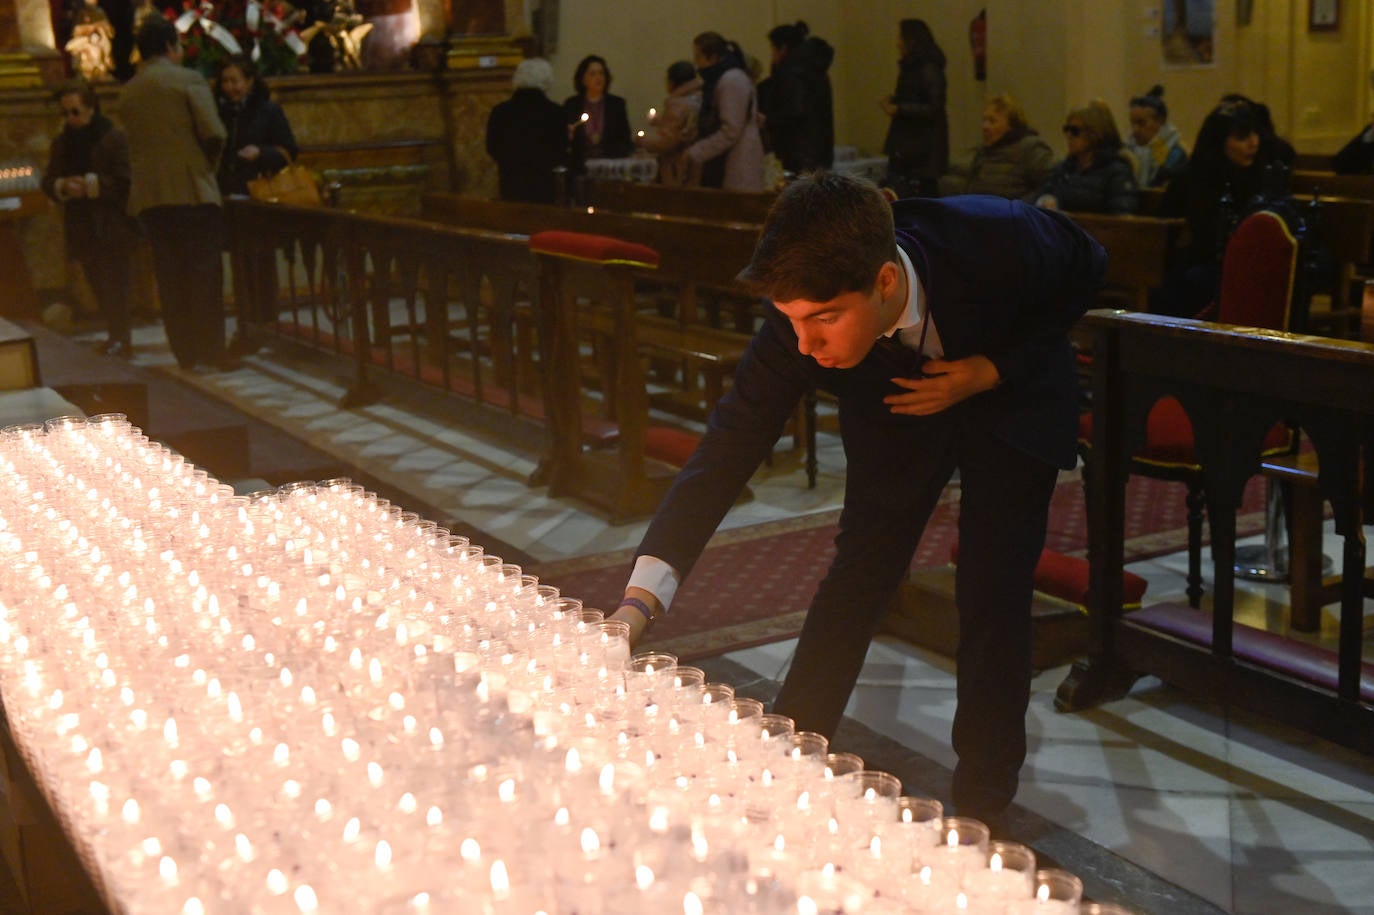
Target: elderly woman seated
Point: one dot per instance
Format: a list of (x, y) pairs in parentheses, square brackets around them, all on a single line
[(1012, 161), (1098, 175)]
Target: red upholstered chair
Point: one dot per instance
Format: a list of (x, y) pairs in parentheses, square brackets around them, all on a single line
[(1257, 274)]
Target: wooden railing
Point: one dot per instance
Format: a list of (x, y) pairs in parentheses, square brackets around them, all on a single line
[(460, 310), (1235, 384), (689, 202)]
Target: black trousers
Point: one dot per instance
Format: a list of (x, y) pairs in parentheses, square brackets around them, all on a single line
[(187, 242), (107, 270), (895, 475)]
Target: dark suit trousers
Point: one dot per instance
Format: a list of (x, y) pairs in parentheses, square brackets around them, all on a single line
[(896, 472), (187, 242)]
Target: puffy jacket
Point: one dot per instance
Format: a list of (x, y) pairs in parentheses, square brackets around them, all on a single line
[(1012, 167), (1105, 186)]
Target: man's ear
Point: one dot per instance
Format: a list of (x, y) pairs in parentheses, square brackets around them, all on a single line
[(889, 274)]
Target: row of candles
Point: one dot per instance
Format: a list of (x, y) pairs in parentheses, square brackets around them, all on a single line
[(309, 700), (17, 177)]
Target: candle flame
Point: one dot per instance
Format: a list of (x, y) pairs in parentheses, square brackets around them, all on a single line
[(506, 790), (276, 882), (1042, 892), (995, 862), (691, 904), (961, 902), (779, 843), (352, 829), (875, 847), (586, 117), (306, 900), (606, 781), (434, 816), (591, 843), (952, 840), (644, 876), (470, 851), (167, 870), (807, 906), (500, 880), (382, 856)]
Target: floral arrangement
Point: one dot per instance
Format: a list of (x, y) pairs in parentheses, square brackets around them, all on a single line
[(263, 31)]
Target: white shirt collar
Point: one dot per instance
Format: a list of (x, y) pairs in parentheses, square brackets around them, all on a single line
[(911, 314)]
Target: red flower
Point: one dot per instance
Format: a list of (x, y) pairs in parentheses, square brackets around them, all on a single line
[(191, 51)]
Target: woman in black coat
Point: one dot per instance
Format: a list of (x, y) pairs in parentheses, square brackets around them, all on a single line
[(796, 100), (528, 137), (917, 144), (598, 123), (260, 139), (1098, 174), (1231, 174)]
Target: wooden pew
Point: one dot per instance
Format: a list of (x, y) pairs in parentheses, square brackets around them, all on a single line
[(385, 177), (692, 202), (1330, 184), (1235, 382), (1139, 249)]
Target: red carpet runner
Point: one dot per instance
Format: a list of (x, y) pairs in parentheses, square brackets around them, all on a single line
[(752, 586)]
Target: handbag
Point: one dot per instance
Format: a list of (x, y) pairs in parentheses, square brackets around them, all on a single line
[(294, 184)]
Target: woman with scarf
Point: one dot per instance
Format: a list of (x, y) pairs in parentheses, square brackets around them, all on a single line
[(729, 147), (88, 174), (260, 138), (1154, 142)]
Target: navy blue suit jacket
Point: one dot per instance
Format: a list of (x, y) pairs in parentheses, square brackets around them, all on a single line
[(1001, 278)]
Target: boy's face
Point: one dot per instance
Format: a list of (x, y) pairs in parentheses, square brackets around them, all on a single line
[(839, 333)]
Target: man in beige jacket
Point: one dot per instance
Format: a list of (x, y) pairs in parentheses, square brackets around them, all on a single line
[(175, 141)]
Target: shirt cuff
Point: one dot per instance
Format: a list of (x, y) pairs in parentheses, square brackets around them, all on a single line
[(92, 184), (657, 577), (1368, 135)]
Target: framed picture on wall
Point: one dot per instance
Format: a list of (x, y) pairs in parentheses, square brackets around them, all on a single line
[(1323, 15)]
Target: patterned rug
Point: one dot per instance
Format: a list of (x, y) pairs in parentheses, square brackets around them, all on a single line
[(752, 586)]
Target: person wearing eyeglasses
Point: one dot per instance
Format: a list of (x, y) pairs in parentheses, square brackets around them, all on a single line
[(88, 174), (1098, 174)]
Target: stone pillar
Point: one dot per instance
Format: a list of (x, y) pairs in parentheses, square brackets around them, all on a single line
[(28, 57)]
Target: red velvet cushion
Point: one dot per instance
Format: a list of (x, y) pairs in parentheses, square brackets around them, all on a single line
[(1169, 435), (1066, 577), (1257, 273), (671, 446), (599, 249)]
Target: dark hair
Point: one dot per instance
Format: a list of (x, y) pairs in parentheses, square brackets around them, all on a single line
[(244, 64), (681, 72), (826, 235), (1236, 119), (789, 36), (1263, 121), (1154, 100), (712, 45), (156, 36), (581, 72), (78, 86), (919, 42)]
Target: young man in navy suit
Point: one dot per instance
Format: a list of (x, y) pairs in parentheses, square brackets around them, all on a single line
[(941, 326)]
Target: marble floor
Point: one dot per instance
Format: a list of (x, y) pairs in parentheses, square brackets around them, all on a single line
[(1251, 816)]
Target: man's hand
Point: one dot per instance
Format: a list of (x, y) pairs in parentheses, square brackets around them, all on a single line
[(250, 153), (951, 382), (888, 107), (638, 624)]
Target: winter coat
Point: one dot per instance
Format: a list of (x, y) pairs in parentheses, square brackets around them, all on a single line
[(527, 135), (96, 223), (918, 137), (1160, 159), (673, 130), (1012, 167), (1106, 186), (798, 108), (737, 137), (255, 121)]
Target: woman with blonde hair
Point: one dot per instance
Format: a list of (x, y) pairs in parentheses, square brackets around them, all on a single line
[(1098, 174), (1012, 161)]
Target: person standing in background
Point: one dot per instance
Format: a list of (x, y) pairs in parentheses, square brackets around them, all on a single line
[(598, 124), (527, 136), (88, 174), (795, 100), (260, 140), (175, 142), (917, 144), (729, 148), (675, 126)]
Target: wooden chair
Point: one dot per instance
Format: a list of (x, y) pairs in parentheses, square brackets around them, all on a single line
[(1256, 291)]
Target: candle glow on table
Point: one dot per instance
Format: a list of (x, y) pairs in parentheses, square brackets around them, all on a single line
[(309, 700)]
